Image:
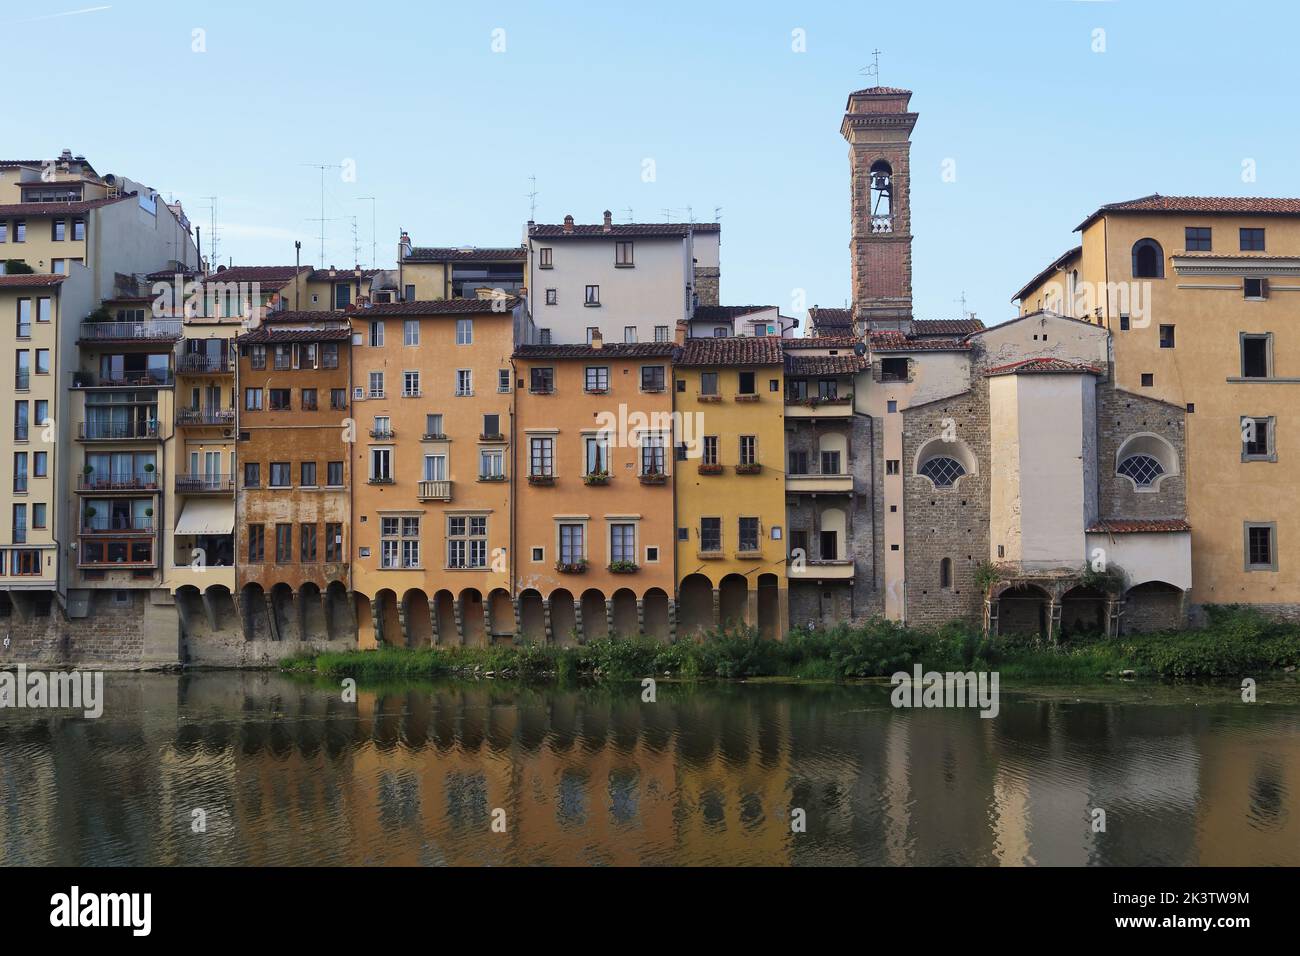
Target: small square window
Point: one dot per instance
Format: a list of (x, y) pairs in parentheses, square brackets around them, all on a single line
[(651, 555), (1255, 288), (539, 554), (1166, 336), (891, 405), (1148, 379), (1252, 240), (893, 467), (1198, 238)]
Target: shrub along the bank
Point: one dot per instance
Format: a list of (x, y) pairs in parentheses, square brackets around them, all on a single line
[(1235, 642)]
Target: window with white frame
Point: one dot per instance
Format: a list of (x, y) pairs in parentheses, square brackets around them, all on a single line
[(464, 382), (410, 384), (541, 457), (503, 380), (411, 332), (622, 543), (376, 384), (464, 331), (652, 454), (572, 540), (491, 463), (597, 457), (597, 378), (376, 333), (435, 467), (381, 464), (467, 541), (399, 542), (629, 334), (661, 333)]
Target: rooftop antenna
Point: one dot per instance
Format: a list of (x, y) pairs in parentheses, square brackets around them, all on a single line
[(874, 69), (532, 199), (962, 300), (213, 239), (356, 244), (322, 167), (628, 209), (690, 214), (717, 214), (374, 246)]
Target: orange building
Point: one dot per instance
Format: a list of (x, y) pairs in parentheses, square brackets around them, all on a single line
[(433, 394), (594, 462)]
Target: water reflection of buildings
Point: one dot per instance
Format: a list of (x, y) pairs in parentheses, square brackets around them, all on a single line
[(288, 773)]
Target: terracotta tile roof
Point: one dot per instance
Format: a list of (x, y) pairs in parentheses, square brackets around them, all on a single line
[(4, 163), (821, 342), (1139, 525), (340, 275), (825, 364), (304, 317), (1201, 205), (270, 277), (946, 326), (466, 254), (615, 350), (58, 208), (732, 351), (620, 230), (29, 281), (265, 334), (163, 275), (726, 313), (881, 91), (1045, 366), (437, 307), (1056, 264), (898, 342)]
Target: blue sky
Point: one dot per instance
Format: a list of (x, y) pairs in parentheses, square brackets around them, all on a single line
[(446, 133)]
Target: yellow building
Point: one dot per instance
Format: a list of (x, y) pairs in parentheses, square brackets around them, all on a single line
[(730, 489), (1197, 293), (433, 398), (594, 517), (426, 273)]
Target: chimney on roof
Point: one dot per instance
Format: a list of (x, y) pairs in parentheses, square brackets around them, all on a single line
[(66, 156), (609, 221), (403, 246), (568, 224), (597, 339), (680, 337)]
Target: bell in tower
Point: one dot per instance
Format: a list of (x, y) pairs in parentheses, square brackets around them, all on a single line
[(881, 196)]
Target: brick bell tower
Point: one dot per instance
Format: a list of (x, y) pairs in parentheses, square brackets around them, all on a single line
[(878, 128)]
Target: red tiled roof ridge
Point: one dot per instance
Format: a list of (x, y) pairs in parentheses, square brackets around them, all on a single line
[(1138, 525), (1045, 363)]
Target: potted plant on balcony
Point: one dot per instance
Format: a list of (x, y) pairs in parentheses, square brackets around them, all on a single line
[(596, 478), (753, 468), (710, 468), (572, 567), (653, 478), (624, 567)]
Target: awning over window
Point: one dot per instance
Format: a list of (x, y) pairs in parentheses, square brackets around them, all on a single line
[(207, 517)]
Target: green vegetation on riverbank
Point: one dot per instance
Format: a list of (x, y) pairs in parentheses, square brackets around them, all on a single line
[(1236, 642)]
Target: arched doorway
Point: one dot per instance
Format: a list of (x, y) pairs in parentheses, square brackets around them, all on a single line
[(626, 625), (654, 611), (444, 605), (1023, 610), (595, 626), (564, 622), (340, 622), (532, 617), (1083, 613), (733, 602), (695, 605), (471, 617), (312, 613), (419, 627), (1153, 606), (283, 608), (390, 620), (502, 611), (366, 637)]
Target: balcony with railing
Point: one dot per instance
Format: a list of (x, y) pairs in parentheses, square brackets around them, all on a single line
[(818, 484), (205, 416), (194, 364), (146, 330), (123, 527), (434, 491), (205, 484), (111, 483), (383, 432), (144, 378), (117, 431)]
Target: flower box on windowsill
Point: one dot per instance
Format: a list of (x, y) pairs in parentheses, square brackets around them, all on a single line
[(652, 389), (544, 481), (710, 469), (382, 481), (750, 469), (654, 478), (577, 567), (434, 436), (624, 567), (542, 390), (747, 398), (749, 555), (596, 391), (708, 399), (491, 477), (596, 478), (497, 436)]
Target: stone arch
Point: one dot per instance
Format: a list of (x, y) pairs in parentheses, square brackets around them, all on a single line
[(444, 612), (502, 612), (1024, 609), (1153, 606), (1145, 445), (283, 609), (769, 607), (221, 604), (532, 616), (1148, 260), (257, 624), (189, 608), (627, 620), (311, 613), (656, 620), (389, 618), (695, 604), (340, 621), (927, 463), (595, 624), (363, 611), (733, 601), (832, 521), (419, 626), (834, 441), (472, 623), (564, 619), (1083, 612)]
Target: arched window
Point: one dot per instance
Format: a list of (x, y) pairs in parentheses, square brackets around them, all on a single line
[(1148, 260), (882, 196), (945, 573), (944, 472), (1146, 459), (1143, 469)]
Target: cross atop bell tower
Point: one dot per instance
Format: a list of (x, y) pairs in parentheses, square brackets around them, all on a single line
[(878, 128)]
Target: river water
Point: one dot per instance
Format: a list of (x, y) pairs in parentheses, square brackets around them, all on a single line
[(259, 768)]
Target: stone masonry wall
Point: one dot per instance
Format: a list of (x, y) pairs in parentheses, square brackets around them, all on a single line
[(1120, 415)]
